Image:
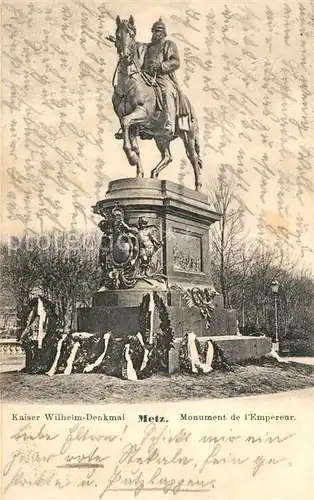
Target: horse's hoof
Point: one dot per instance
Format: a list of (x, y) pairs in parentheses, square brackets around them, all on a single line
[(133, 159), (198, 187), (154, 174)]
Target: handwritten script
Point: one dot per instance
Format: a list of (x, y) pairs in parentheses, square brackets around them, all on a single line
[(155, 458)]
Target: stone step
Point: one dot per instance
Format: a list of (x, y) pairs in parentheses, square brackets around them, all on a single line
[(235, 347)]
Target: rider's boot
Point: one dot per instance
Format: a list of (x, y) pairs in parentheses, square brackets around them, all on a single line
[(119, 134)]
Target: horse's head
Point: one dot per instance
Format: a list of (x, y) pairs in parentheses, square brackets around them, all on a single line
[(125, 39)]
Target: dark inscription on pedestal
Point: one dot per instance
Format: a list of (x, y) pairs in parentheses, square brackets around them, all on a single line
[(186, 251)]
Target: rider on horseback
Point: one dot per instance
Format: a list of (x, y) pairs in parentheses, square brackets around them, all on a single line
[(161, 60)]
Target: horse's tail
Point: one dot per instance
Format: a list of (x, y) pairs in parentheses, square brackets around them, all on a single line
[(198, 149), (194, 122)]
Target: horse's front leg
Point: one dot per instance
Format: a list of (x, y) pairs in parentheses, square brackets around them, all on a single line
[(135, 148), (137, 117)]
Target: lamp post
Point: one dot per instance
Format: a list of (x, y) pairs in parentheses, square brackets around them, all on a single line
[(274, 288)]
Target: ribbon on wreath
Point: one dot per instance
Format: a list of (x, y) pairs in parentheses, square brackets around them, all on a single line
[(54, 365), (69, 366), (146, 351), (128, 371), (41, 312), (193, 355), (92, 366)]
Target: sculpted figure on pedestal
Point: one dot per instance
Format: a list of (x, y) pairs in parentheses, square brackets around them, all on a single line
[(127, 252)]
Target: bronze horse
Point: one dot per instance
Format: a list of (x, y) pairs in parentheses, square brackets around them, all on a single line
[(135, 103)]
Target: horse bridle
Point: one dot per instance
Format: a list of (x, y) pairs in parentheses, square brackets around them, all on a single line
[(133, 61)]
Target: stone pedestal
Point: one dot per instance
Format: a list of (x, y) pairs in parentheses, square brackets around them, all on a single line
[(156, 238), (182, 218), (178, 217)]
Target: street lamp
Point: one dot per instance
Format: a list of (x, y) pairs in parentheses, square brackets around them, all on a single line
[(274, 289)]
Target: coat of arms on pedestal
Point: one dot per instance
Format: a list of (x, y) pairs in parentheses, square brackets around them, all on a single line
[(127, 253)]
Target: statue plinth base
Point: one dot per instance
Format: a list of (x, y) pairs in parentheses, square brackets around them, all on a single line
[(180, 218), (119, 311)]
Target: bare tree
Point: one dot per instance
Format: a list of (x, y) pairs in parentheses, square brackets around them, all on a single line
[(20, 270), (62, 265), (251, 293), (259, 266), (70, 272), (226, 235)]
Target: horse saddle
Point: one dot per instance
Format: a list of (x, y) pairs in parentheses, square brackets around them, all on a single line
[(151, 81), (183, 107)]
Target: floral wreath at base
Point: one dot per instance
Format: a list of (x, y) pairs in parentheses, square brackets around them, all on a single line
[(219, 360), (145, 358), (121, 356), (135, 356), (163, 339)]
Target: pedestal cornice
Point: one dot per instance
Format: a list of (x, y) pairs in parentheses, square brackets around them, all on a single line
[(160, 195)]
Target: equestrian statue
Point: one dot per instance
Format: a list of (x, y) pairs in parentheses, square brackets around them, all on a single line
[(148, 100)]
